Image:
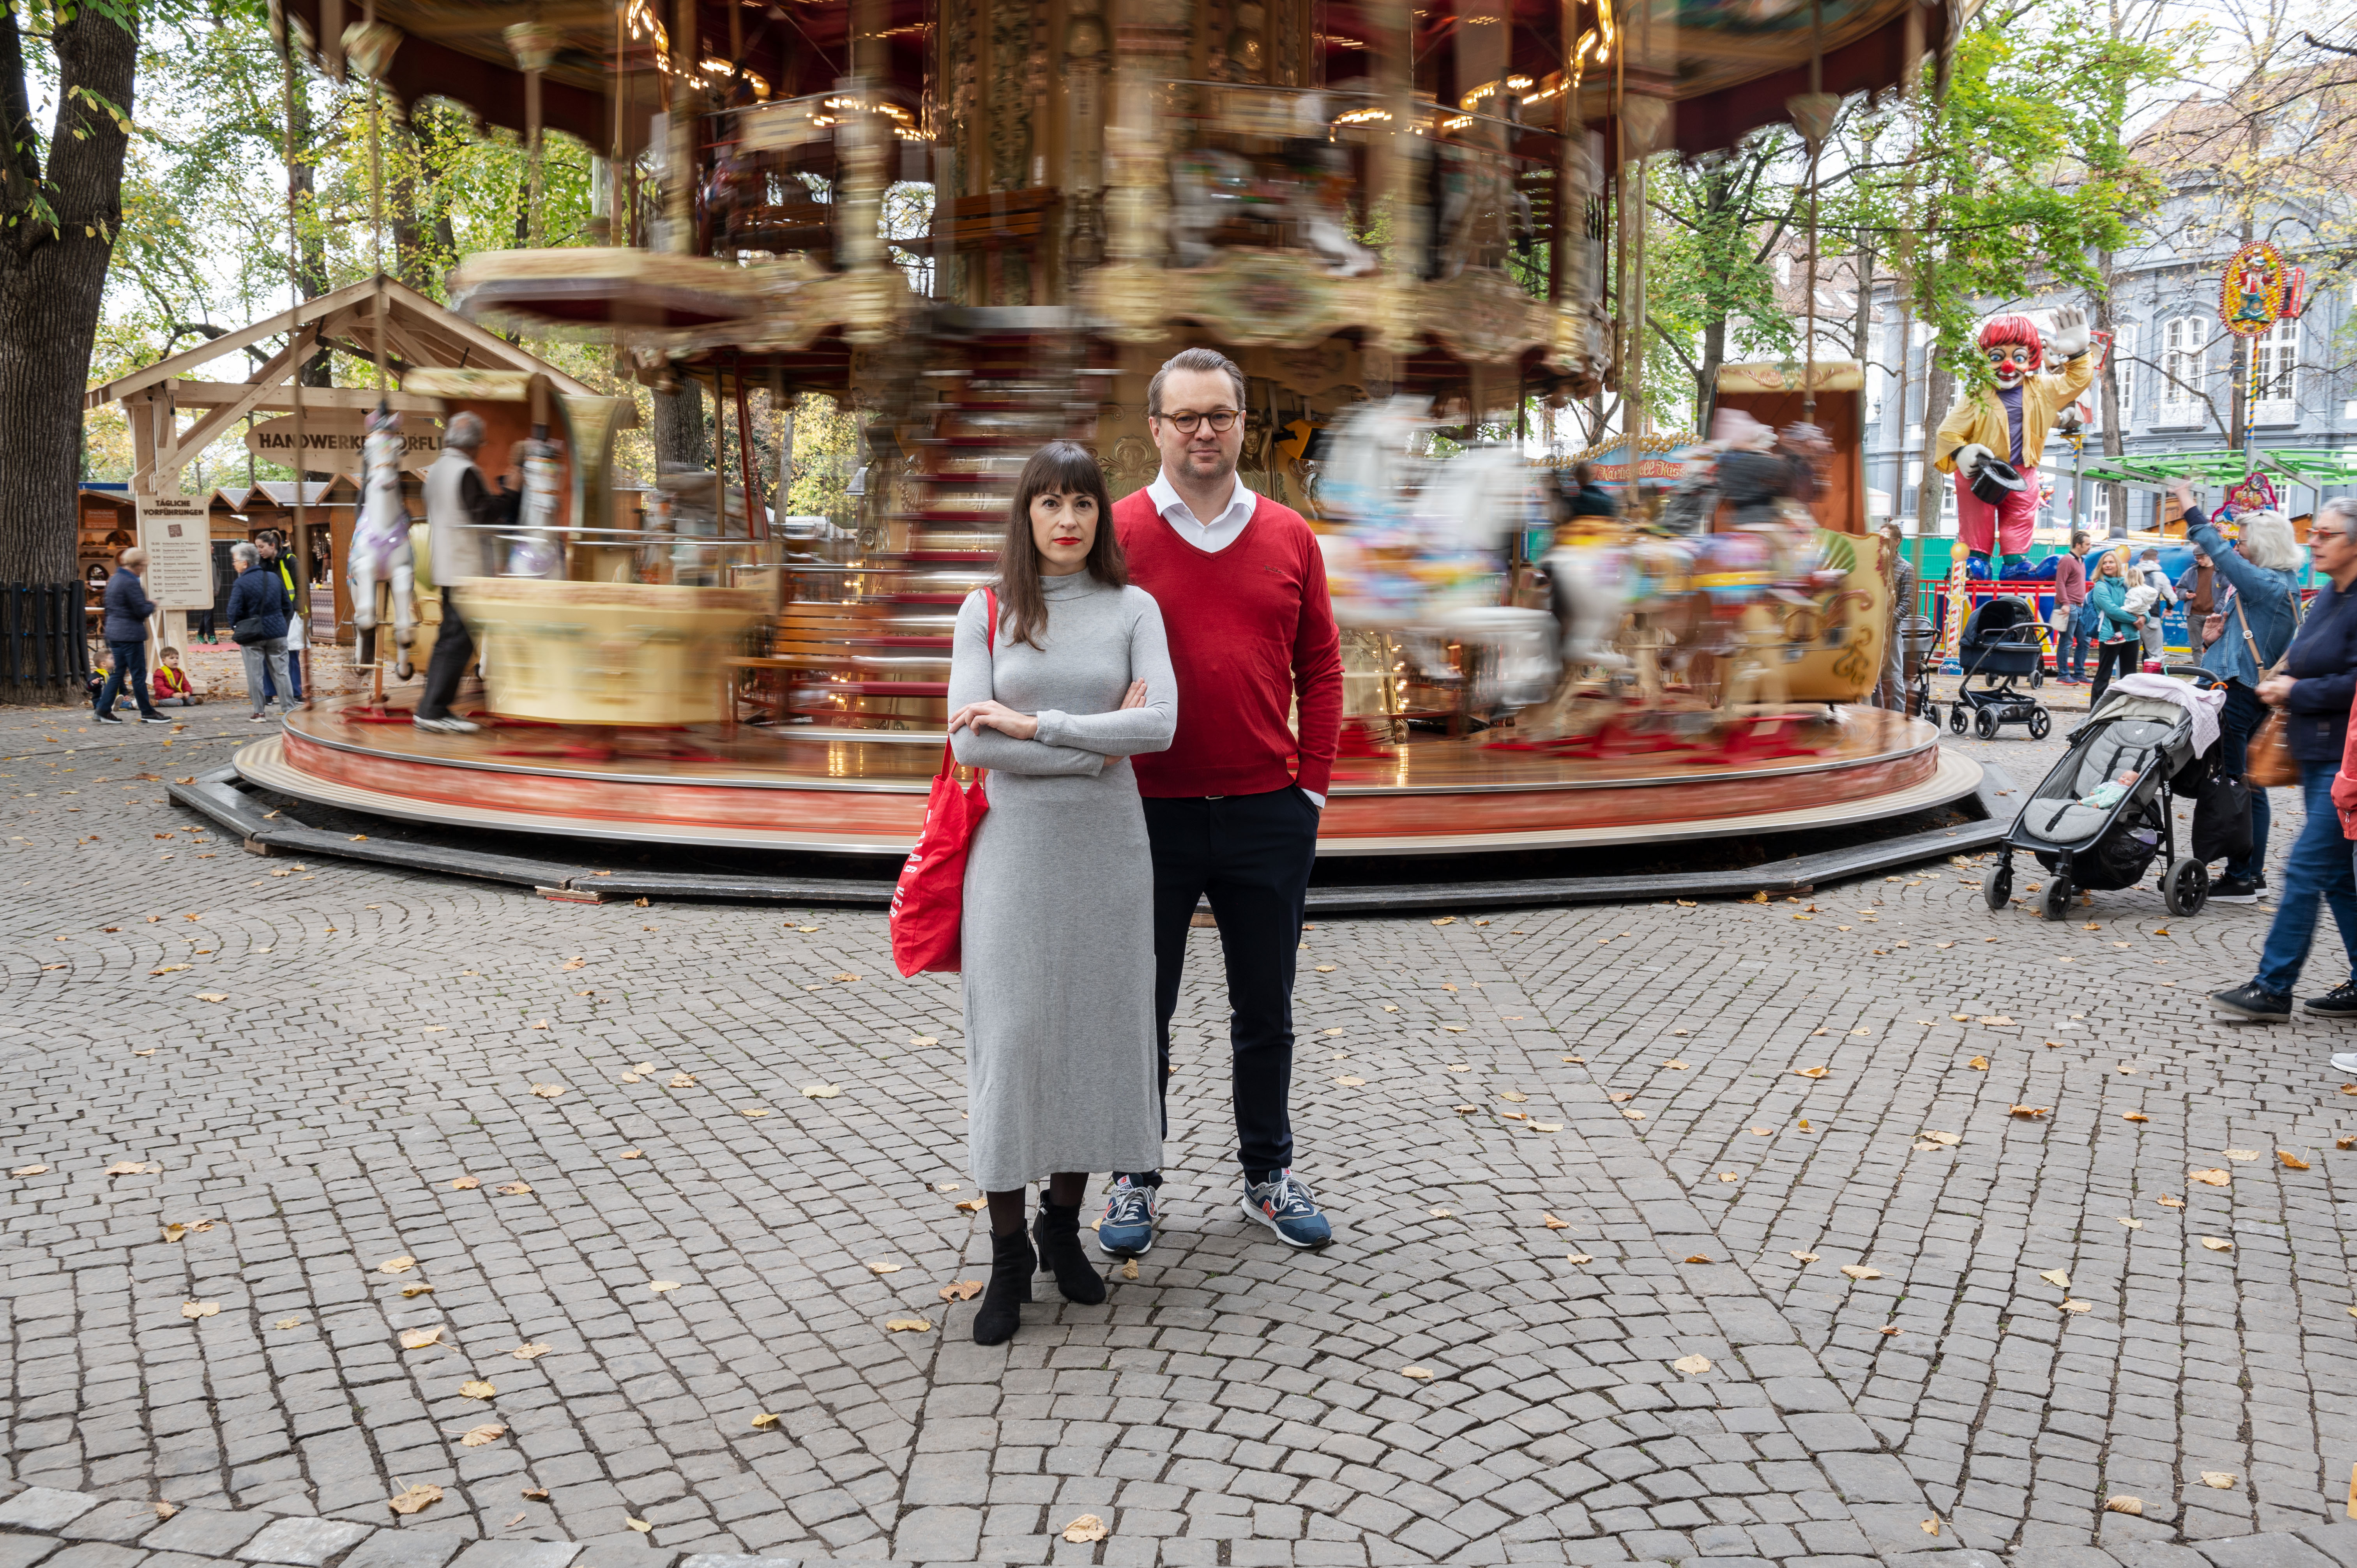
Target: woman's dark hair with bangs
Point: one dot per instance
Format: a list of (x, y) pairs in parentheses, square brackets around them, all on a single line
[(1060, 467)]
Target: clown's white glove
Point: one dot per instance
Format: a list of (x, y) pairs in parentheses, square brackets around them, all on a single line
[(1970, 456), (2069, 339)]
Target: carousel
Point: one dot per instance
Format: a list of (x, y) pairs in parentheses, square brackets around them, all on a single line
[(1400, 222)]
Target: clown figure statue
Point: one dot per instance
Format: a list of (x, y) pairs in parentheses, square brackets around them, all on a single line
[(2007, 424)]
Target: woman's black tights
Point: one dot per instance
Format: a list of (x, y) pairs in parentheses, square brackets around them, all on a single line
[(1065, 1190), (2125, 658)]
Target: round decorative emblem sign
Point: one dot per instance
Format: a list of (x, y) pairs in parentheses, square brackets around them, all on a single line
[(2259, 290)]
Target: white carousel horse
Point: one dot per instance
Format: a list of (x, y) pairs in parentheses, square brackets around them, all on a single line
[(380, 551), (539, 552)]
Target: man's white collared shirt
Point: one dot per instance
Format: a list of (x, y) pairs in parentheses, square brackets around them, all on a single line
[(1211, 537)]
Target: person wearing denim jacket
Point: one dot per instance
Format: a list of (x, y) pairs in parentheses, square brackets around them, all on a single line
[(2314, 690), (2263, 569)]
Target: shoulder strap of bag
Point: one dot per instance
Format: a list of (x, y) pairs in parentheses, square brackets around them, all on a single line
[(2251, 643), (990, 640)]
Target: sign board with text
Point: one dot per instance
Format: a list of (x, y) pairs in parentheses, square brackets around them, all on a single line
[(177, 533), (335, 440)]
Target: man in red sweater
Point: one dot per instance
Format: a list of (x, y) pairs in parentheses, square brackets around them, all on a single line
[(1232, 808)]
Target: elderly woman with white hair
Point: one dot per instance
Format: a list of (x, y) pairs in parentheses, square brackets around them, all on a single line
[(2262, 567), (2313, 680)]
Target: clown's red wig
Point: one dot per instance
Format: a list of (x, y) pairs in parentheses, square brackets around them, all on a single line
[(2014, 329)]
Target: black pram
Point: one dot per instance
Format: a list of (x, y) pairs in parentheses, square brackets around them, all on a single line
[(2093, 833), (2002, 642)]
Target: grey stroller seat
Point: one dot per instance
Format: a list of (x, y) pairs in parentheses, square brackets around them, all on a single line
[(2131, 744)]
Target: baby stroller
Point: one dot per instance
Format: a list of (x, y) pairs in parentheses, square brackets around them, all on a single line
[(2002, 643), (2091, 831)]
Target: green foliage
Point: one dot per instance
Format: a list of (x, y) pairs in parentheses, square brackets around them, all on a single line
[(2018, 177), (1710, 290), (827, 447)]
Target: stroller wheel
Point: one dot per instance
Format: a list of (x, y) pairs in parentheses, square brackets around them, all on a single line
[(2038, 677), (1957, 717), (1984, 724), (2186, 887), (2055, 902), (2040, 721), (1997, 891)]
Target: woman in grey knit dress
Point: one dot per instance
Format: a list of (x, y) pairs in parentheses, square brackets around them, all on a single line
[(1058, 937)]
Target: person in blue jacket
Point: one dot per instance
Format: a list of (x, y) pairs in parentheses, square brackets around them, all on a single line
[(257, 618), (2262, 568), (2314, 689), (127, 610)]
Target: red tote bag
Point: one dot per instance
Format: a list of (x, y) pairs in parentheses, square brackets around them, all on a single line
[(929, 902)]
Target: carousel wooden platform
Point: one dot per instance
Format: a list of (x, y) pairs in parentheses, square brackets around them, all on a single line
[(863, 793)]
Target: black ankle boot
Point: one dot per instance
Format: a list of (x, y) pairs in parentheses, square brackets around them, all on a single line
[(1058, 1232), (1012, 1264)]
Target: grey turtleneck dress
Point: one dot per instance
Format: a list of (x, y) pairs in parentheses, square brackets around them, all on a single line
[(1058, 937)]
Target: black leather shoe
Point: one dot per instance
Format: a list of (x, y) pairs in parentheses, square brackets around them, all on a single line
[(1012, 1264), (2233, 890), (2340, 1002), (2250, 1001), (1058, 1232)]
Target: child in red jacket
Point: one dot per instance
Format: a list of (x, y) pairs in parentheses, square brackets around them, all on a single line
[(173, 687)]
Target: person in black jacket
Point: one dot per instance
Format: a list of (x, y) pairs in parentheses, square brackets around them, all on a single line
[(127, 610), (2314, 689), (257, 603)]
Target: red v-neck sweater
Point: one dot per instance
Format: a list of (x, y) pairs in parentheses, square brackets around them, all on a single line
[(1249, 628)]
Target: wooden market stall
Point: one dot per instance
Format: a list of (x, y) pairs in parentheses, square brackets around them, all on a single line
[(174, 415)]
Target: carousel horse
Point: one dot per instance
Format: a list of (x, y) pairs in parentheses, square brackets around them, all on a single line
[(1319, 203), (1208, 187), (539, 552), (380, 549)]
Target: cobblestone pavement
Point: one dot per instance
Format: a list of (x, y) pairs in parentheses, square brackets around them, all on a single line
[(630, 1179)]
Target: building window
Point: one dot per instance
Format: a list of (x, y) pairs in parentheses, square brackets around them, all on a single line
[(2274, 366), (2099, 509), (2184, 372)]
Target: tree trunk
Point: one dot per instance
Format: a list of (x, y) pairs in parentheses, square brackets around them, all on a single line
[(1714, 354), (1862, 328), (1938, 384), (311, 250), (2117, 504), (404, 149), (53, 278), (681, 440)]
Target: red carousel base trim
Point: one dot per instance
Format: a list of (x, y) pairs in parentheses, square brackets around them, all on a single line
[(1426, 797)]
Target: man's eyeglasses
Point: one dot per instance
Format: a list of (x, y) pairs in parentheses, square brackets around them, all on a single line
[(1222, 421)]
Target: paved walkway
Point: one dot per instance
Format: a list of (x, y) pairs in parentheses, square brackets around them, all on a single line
[(317, 1170)]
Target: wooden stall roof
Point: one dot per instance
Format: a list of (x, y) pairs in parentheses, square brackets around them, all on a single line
[(418, 333)]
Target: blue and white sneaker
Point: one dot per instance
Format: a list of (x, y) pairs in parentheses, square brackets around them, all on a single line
[(1287, 1207), (1128, 1228)]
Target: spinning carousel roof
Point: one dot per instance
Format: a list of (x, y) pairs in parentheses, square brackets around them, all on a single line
[(1730, 64)]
